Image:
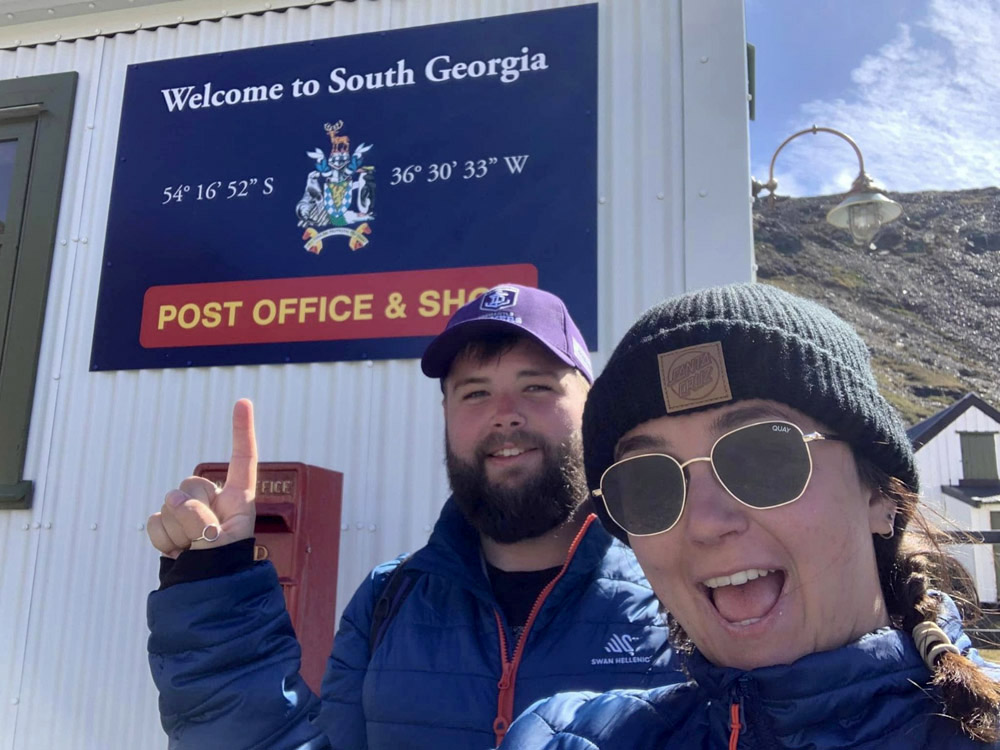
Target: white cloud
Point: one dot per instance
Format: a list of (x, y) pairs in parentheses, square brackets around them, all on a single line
[(926, 114), (788, 183)]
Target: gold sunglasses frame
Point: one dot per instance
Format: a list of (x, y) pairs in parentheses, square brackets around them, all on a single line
[(807, 438)]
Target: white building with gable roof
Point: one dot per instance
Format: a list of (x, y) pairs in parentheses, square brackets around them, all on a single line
[(956, 452)]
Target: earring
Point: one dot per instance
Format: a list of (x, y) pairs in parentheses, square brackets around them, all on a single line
[(892, 529)]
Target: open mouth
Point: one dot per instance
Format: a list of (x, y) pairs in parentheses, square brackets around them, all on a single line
[(509, 452), (747, 596)]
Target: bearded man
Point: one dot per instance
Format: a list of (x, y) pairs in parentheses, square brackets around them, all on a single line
[(519, 593)]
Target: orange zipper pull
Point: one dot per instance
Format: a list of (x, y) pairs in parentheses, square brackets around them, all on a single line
[(734, 725), (505, 705), (504, 683)]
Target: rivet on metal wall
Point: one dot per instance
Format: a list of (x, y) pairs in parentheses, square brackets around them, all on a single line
[(57, 37), (371, 527), (704, 59), (37, 524), (140, 527), (360, 525), (602, 200), (14, 701), (93, 527), (659, 196), (48, 525), (702, 193), (345, 527), (84, 240), (26, 527)]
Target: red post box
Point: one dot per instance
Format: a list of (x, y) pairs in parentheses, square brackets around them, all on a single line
[(298, 530)]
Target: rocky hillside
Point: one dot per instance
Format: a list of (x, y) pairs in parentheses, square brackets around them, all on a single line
[(925, 295)]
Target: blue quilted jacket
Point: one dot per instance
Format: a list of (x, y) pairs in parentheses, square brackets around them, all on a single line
[(869, 695), (446, 676)]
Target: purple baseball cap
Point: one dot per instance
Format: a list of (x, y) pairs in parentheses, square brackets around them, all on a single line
[(510, 308)]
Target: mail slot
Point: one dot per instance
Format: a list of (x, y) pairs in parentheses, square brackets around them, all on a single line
[(298, 531)]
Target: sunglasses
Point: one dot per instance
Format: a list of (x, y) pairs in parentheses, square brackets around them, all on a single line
[(762, 465)]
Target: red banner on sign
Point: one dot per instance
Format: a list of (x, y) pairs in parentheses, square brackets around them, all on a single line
[(317, 308)]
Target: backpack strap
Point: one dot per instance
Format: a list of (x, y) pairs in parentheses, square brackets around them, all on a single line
[(397, 587)]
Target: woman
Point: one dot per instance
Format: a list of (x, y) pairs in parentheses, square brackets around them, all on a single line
[(737, 440)]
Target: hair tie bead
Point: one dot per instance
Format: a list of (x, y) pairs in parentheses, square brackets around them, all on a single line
[(932, 642)]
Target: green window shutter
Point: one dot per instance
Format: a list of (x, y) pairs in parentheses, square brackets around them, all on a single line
[(979, 455), (35, 117), (995, 524)]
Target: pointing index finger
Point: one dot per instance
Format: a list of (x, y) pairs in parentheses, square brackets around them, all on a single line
[(242, 474)]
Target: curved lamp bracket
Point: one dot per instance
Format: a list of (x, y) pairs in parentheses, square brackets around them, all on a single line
[(864, 210)]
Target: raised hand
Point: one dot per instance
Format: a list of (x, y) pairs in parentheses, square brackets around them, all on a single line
[(198, 510)]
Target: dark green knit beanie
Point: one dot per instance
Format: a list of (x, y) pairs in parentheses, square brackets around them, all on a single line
[(745, 341)]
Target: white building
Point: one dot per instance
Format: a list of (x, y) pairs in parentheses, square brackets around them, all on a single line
[(956, 453)]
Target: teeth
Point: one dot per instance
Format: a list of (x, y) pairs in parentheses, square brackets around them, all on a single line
[(737, 579), (748, 621), (509, 452)]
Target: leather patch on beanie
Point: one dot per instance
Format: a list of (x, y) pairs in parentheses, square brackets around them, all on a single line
[(694, 376)]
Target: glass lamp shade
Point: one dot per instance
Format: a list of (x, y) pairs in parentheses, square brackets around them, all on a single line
[(864, 221), (864, 213)]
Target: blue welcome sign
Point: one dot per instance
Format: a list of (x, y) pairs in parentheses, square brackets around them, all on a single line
[(338, 199)]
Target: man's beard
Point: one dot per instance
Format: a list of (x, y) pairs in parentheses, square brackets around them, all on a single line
[(534, 506)]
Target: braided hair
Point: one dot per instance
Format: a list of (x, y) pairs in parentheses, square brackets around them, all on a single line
[(913, 567)]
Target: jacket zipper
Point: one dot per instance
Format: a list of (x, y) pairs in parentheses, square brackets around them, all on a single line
[(734, 724), (505, 701), (737, 717)]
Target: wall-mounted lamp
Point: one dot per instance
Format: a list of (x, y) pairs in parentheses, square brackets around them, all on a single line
[(864, 210)]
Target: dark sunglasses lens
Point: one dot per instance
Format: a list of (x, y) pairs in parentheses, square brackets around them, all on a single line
[(645, 494), (764, 465)]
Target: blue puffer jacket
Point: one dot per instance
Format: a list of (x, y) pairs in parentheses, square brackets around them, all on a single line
[(869, 695), (446, 675)]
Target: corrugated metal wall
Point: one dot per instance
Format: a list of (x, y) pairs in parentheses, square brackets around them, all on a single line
[(104, 447)]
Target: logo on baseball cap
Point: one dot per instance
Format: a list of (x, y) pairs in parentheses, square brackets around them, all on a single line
[(498, 298), (510, 308)]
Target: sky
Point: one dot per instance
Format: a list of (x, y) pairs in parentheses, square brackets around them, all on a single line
[(916, 83)]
